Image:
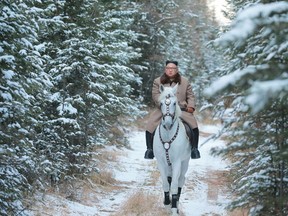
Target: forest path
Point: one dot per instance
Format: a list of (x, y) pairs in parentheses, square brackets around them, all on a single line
[(204, 193), (138, 189)]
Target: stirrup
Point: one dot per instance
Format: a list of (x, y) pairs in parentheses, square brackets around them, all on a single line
[(149, 154), (195, 154)]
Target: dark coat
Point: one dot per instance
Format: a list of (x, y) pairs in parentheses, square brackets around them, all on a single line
[(185, 98)]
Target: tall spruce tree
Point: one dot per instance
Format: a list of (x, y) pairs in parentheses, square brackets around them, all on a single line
[(255, 91), (65, 79), (180, 30), (89, 62), (22, 85)]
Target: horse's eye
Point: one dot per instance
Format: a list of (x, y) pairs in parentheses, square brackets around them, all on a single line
[(174, 103)]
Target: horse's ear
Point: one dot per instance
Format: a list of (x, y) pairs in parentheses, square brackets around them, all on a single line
[(175, 89), (161, 88)]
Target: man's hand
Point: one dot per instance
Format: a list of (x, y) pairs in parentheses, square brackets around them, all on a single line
[(190, 109)]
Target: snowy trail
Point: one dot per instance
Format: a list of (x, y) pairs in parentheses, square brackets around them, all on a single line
[(208, 195), (204, 192)]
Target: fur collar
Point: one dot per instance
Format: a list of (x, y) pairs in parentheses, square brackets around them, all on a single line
[(164, 79)]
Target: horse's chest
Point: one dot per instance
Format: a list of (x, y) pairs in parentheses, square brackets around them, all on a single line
[(175, 150)]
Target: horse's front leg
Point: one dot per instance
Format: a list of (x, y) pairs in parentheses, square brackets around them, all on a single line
[(167, 200), (165, 184), (181, 181)]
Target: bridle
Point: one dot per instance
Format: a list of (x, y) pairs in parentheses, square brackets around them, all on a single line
[(167, 103), (167, 144)]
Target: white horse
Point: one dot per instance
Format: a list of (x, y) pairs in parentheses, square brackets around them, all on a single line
[(171, 147)]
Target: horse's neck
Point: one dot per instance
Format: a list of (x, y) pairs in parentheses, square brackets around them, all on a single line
[(168, 134)]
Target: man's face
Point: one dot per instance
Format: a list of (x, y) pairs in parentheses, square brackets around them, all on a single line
[(171, 69)]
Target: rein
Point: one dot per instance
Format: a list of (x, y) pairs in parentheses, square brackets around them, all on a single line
[(167, 145)]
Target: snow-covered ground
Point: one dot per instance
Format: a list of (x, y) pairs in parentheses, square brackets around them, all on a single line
[(204, 193)]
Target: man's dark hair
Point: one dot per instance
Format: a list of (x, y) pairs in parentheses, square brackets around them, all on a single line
[(174, 62)]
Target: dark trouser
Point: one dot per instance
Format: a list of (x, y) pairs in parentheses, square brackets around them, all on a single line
[(196, 138), (193, 135), (195, 154)]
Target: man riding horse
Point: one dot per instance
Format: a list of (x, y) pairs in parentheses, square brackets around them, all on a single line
[(186, 101)]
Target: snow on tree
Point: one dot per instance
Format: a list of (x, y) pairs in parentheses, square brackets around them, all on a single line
[(180, 30), (22, 84), (65, 80), (254, 89), (91, 73)]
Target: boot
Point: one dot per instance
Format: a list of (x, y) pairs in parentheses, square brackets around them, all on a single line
[(149, 143), (195, 154)]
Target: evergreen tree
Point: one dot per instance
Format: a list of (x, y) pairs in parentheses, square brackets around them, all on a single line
[(22, 86), (66, 79), (180, 30), (89, 61), (255, 91)]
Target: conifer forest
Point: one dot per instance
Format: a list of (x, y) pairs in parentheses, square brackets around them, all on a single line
[(75, 73)]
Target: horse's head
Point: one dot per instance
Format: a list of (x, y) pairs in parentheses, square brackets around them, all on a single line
[(169, 106)]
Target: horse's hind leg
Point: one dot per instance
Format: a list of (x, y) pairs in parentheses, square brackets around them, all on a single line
[(184, 168), (175, 202), (179, 192), (174, 209), (181, 181)]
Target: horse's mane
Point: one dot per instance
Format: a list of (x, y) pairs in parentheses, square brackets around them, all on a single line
[(169, 91)]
